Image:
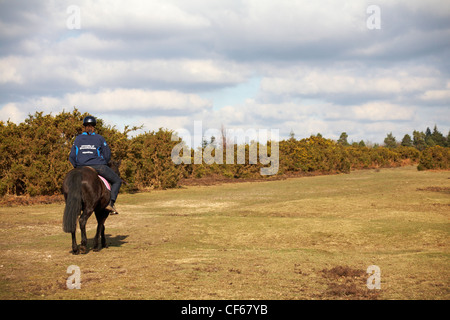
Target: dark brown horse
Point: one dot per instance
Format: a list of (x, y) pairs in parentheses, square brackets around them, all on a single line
[(84, 191)]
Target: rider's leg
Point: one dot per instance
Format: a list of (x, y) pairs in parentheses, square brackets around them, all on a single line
[(115, 181)]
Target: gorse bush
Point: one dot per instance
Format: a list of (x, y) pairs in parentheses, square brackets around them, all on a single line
[(317, 154), (148, 163), (435, 157), (34, 155)]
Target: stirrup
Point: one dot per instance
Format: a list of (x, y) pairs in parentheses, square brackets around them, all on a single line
[(111, 209)]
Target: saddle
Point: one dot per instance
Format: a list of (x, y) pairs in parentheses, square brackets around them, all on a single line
[(107, 185)]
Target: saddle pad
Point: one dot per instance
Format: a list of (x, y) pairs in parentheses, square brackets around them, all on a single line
[(107, 185)]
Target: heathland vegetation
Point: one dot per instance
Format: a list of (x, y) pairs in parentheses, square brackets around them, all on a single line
[(34, 155), (291, 239)]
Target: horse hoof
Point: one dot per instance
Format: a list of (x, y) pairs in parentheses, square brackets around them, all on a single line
[(83, 250), (75, 252)]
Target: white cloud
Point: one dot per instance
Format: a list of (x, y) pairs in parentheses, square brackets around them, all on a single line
[(383, 111), (121, 104), (80, 72), (438, 96), (355, 81), (130, 100), (9, 72), (12, 113), (322, 70), (136, 16)]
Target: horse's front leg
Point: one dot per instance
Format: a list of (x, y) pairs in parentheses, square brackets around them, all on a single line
[(83, 220)]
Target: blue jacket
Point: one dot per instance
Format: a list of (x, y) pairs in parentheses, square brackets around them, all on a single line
[(89, 150)]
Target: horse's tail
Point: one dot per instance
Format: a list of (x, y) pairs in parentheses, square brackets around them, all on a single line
[(73, 203)]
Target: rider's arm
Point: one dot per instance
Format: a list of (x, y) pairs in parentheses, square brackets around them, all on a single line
[(73, 156), (105, 151)]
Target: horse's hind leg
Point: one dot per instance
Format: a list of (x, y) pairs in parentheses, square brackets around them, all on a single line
[(104, 245), (100, 234), (83, 220), (74, 244), (101, 218)]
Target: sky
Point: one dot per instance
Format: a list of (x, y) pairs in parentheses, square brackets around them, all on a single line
[(366, 68)]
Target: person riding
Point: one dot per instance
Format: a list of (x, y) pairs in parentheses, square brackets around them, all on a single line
[(90, 149)]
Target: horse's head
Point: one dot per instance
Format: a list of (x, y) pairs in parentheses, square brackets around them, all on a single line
[(115, 165)]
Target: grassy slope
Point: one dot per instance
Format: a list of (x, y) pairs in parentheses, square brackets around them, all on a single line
[(303, 238)]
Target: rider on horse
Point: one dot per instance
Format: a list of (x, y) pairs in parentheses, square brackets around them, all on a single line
[(91, 149)]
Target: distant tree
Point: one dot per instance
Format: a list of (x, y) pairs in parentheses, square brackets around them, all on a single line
[(343, 139), (429, 138), (430, 141), (204, 143), (292, 135), (389, 141), (362, 144), (438, 138), (407, 141), (419, 140), (448, 139)]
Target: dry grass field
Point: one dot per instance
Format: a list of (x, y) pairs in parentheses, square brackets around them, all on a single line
[(300, 238)]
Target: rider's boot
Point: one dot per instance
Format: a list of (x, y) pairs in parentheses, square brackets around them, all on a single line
[(110, 207)]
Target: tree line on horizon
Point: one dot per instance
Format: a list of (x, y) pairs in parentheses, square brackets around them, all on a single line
[(34, 155), (419, 140)]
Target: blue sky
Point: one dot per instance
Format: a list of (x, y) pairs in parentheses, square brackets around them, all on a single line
[(304, 66), (234, 95)]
